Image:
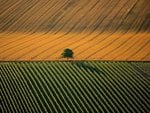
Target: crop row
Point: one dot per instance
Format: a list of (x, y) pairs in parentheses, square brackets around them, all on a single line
[(73, 87)]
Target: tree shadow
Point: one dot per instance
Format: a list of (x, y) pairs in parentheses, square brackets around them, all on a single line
[(88, 67)]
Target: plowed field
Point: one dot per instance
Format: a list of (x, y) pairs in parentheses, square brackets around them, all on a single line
[(93, 29)]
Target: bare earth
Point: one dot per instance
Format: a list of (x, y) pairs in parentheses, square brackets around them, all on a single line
[(106, 46), (93, 29)]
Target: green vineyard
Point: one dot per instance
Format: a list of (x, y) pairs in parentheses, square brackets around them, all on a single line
[(75, 87)]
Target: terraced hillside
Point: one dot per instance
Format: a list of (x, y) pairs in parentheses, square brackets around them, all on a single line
[(94, 29), (61, 87)]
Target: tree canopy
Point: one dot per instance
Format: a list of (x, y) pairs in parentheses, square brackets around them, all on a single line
[(68, 53)]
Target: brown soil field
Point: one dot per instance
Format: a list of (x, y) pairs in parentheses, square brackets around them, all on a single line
[(93, 29)]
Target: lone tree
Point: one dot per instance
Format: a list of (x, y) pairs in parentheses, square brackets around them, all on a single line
[(68, 53)]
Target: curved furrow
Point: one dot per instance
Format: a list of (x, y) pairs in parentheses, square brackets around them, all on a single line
[(16, 51), (16, 14), (141, 14), (147, 56), (121, 47), (123, 14), (29, 25), (86, 18), (116, 15), (133, 48), (105, 41), (18, 45), (143, 47), (42, 47), (23, 20), (119, 20), (6, 5), (94, 38), (10, 9), (44, 44), (50, 14), (48, 47), (117, 47), (70, 39), (127, 14), (31, 51), (57, 13), (93, 15), (145, 25), (74, 19), (106, 52), (145, 21), (102, 16), (15, 44), (71, 44), (98, 46), (73, 4), (78, 25), (78, 40), (22, 40), (103, 5), (98, 43), (83, 19), (72, 14), (3, 2), (89, 40), (127, 48), (14, 38)]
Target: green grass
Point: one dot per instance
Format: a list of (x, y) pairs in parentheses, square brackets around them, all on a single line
[(90, 86)]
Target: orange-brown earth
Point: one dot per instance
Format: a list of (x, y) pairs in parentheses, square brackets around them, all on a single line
[(93, 29)]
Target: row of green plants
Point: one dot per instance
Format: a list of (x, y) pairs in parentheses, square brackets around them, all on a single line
[(74, 86)]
